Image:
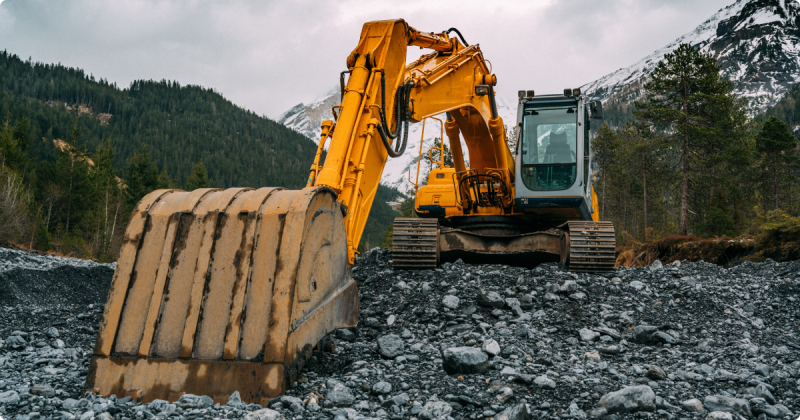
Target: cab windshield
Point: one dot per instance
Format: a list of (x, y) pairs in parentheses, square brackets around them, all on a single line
[(549, 144)]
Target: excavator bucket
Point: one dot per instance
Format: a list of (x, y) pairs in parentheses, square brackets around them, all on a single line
[(219, 291)]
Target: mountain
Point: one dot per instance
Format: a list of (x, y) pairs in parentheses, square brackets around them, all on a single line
[(306, 118), (180, 125), (756, 43)]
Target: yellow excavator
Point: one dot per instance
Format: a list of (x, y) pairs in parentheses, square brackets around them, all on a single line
[(218, 291)]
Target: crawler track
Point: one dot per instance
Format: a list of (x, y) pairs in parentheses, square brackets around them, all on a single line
[(591, 247), (415, 243)]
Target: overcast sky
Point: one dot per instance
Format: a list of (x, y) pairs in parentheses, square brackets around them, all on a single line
[(267, 56)]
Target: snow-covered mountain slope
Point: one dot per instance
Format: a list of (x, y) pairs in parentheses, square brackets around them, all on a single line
[(756, 42), (306, 119)]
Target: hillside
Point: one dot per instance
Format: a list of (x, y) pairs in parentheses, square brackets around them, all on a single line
[(756, 43), (179, 125)]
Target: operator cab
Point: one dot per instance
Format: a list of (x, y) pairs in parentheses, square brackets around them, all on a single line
[(553, 156)]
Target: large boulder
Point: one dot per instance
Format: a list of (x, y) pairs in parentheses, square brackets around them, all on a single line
[(465, 360), (629, 399)]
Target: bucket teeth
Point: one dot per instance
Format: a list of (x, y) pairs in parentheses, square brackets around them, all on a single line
[(219, 291)]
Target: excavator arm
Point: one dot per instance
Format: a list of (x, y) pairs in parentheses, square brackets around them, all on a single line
[(218, 291), (383, 92)]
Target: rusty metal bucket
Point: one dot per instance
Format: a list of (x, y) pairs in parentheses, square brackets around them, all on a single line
[(219, 291)]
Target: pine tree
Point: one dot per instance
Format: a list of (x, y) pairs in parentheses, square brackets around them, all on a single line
[(777, 147), (695, 110), (72, 170), (109, 206), (141, 176), (198, 178)]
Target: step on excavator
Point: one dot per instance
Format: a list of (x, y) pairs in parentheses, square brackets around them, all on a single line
[(218, 291)]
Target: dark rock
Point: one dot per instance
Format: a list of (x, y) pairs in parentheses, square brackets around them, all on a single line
[(491, 299), (464, 360)]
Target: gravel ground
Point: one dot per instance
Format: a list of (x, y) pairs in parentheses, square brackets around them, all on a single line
[(684, 341)]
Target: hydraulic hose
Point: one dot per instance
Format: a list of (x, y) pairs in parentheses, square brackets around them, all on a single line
[(402, 100), (459, 35)]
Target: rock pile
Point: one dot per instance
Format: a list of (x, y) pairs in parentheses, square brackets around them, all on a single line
[(689, 340)]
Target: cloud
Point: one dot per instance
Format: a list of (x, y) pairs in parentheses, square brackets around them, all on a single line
[(270, 55)]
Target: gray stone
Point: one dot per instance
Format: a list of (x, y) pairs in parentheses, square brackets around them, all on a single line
[(517, 412), (762, 391), (550, 296), (464, 360), (569, 286), (576, 411), (196, 400), (346, 335), (491, 300), (588, 335), (693, 406), (491, 347), (69, 404), (87, 415), (662, 337), (637, 285), (9, 398), (526, 302), (390, 346), (105, 416), (609, 332), (436, 410), (450, 301), (610, 350), (46, 391), (759, 406), (401, 399), (234, 400), (727, 404), (719, 415), (705, 370), (545, 382), (578, 296), (341, 396), (51, 332), (656, 265), (16, 342), (382, 388), (263, 414), (629, 399), (512, 303), (762, 369)]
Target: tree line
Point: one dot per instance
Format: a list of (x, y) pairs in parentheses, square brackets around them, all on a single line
[(77, 153), (691, 162)]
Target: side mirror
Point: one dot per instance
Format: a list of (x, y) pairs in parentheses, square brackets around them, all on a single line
[(481, 90), (596, 107)]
